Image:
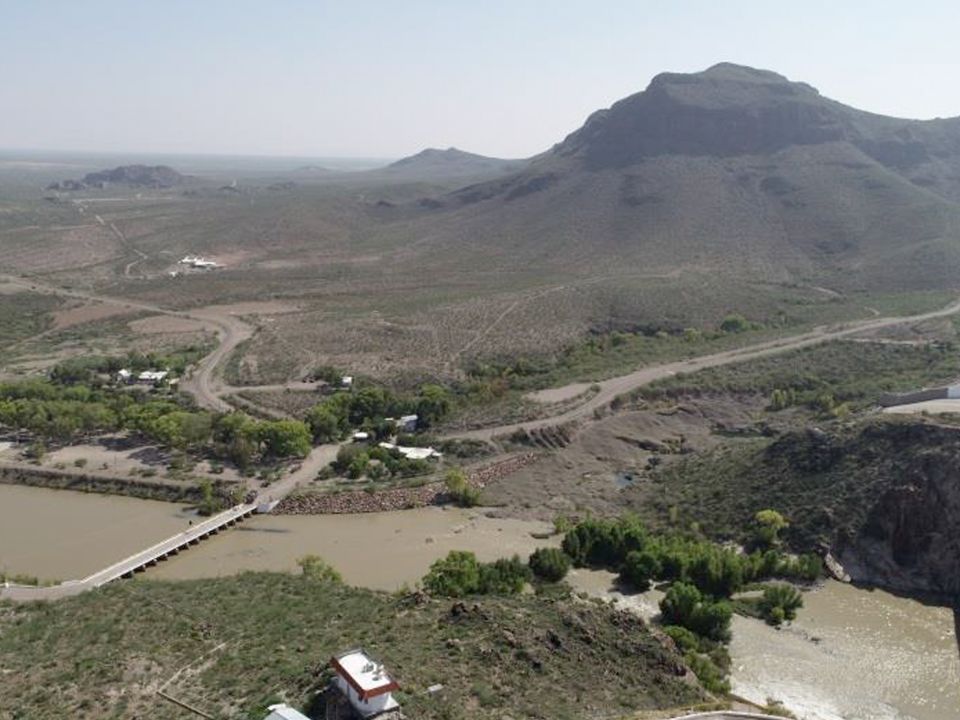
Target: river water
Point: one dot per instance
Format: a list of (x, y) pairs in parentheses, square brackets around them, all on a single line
[(852, 654)]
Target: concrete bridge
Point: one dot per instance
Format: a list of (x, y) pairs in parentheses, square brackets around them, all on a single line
[(138, 561)]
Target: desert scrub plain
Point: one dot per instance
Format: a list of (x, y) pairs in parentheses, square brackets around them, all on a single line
[(260, 638)]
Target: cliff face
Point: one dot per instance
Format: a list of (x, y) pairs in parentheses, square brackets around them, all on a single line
[(911, 537), (890, 500)]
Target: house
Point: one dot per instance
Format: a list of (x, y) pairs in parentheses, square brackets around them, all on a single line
[(124, 376), (152, 377), (284, 712), (364, 682), (407, 423), (346, 382), (360, 436)]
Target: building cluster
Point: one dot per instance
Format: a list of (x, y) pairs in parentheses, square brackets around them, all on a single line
[(198, 262)]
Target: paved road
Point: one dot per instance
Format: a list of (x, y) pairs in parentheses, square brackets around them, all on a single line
[(610, 389)]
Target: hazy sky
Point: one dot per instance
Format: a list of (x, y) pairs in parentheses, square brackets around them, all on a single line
[(387, 78)]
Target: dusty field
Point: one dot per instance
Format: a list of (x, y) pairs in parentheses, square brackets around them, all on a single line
[(114, 456), (82, 314), (167, 325)]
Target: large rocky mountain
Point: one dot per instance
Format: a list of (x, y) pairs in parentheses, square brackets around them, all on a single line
[(731, 171)]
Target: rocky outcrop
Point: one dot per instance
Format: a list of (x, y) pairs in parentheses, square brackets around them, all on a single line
[(150, 176), (889, 494)]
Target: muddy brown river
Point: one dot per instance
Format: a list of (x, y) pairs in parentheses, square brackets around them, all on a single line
[(852, 654)]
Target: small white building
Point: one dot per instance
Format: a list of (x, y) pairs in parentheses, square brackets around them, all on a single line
[(346, 382), (284, 712), (407, 423), (152, 377), (360, 436), (364, 682), (124, 375)]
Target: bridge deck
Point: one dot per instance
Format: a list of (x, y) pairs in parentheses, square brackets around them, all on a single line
[(129, 565)]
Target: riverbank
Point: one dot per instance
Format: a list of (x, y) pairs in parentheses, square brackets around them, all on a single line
[(173, 491), (851, 653)]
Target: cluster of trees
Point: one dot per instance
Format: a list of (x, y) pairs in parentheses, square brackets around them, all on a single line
[(625, 545), (366, 408), (52, 411), (87, 370), (377, 463), (823, 403), (696, 608), (460, 574)]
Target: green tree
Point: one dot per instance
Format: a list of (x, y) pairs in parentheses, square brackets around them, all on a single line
[(767, 527), (550, 564), (285, 438), (324, 424), (433, 404), (456, 575), (640, 569), (506, 576)]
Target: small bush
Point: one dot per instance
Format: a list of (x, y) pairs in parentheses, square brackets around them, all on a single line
[(315, 567), (550, 564)]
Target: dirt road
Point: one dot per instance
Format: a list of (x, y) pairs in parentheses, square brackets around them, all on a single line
[(203, 384), (609, 389), (209, 391)]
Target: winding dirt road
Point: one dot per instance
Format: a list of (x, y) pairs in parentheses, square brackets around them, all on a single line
[(209, 390), (610, 389)]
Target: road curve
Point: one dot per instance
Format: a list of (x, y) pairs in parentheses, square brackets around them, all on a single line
[(203, 383), (613, 387)]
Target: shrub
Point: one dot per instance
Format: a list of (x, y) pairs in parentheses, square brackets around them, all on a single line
[(550, 564), (780, 602), (460, 574), (459, 490), (456, 575), (504, 576), (315, 567), (685, 606)]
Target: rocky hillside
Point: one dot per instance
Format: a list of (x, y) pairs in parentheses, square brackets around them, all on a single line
[(733, 171), (883, 495), (266, 638)]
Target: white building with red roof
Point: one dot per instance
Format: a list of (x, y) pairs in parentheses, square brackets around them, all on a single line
[(364, 682)]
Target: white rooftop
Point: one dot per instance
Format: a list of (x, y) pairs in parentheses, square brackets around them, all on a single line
[(284, 712), (412, 453), (366, 673), (152, 375)]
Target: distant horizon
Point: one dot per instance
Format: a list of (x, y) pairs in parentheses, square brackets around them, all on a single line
[(377, 80)]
